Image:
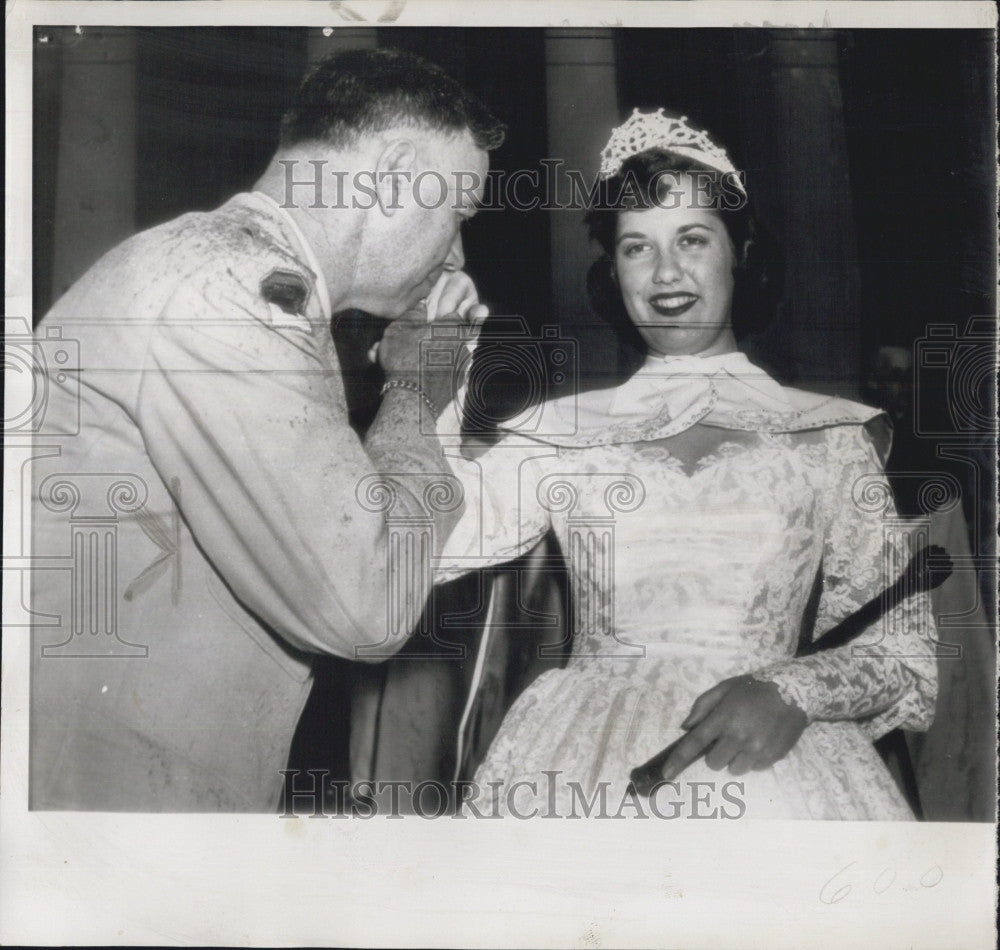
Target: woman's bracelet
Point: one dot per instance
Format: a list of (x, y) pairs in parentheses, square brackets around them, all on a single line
[(397, 383)]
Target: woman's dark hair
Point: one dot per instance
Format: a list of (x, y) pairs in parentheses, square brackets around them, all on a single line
[(757, 273), (361, 92)]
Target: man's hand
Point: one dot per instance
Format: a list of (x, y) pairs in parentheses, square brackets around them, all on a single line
[(451, 319), (742, 723)]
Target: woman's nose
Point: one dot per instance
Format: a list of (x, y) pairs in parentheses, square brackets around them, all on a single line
[(667, 270), (456, 256)]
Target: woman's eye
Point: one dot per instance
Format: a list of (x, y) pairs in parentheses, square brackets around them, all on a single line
[(693, 240), (633, 250)]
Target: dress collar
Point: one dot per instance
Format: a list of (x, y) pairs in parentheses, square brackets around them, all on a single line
[(729, 380), (668, 395)]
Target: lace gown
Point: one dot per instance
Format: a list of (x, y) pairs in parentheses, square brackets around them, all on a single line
[(682, 578)]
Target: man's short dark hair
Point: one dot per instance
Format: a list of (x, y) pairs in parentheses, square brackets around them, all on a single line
[(367, 91)]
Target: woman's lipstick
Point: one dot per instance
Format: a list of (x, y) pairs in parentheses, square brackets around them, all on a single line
[(673, 305)]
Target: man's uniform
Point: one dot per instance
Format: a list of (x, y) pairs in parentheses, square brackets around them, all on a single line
[(196, 533)]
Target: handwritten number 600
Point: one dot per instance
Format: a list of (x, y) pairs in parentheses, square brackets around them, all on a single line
[(834, 891)]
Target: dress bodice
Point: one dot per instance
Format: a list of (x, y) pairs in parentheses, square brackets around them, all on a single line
[(720, 557), (711, 562)]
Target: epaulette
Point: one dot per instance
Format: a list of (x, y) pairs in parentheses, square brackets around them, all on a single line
[(286, 289)]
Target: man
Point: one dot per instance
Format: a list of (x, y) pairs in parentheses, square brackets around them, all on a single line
[(208, 519)]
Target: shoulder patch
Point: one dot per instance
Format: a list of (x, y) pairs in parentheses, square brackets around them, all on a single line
[(286, 289)]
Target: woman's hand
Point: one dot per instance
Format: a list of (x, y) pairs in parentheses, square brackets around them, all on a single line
[(455, 293), (742, 723)]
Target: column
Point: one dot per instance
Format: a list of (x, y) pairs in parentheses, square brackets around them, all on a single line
[(591, 504), (582, 109), (92, 504), (820, 314), (95, 179), (410, 548)]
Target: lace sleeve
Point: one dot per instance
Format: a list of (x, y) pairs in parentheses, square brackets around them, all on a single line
[(502, 518), (888, 677)]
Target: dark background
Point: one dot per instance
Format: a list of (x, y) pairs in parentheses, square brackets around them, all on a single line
[(917, 106)]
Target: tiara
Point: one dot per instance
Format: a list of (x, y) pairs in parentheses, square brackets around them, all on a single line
[(645, 130)]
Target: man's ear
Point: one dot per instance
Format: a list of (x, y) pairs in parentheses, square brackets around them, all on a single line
[(394, 174)]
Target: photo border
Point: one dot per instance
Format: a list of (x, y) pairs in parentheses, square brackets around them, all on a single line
[(126, 879)]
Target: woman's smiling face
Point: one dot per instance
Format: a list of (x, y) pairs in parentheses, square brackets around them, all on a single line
[(674, 262)]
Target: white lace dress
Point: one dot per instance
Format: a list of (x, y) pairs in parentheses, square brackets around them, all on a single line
[(682, 578)]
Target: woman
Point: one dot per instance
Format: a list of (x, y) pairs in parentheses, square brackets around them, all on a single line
[(696, 505)]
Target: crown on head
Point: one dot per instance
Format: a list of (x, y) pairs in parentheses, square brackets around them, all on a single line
[(645, 130)]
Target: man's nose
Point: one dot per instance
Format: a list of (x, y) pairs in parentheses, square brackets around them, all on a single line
[(456, 256)]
